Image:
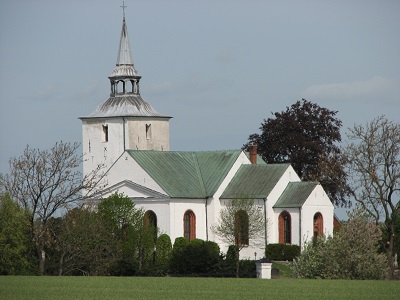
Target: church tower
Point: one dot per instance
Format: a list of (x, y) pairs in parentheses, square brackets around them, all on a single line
[(125, 120)]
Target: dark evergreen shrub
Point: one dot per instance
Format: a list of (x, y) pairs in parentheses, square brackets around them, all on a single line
[(197, 258), (163, 254), (282, 252)]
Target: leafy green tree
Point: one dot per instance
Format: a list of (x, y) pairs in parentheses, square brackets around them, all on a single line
[(240, 223), (136, 238), (306, 136), (82, 244), (373, 163), (45, 182), (352, 253), (396, 239), (17, 256), (163, 253)]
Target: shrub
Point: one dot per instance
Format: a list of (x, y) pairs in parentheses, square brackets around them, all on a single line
[(195, 257), (349, 254), (163, 254), (282, 251)]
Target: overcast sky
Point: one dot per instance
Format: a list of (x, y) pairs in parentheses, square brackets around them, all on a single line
[(219, 67)]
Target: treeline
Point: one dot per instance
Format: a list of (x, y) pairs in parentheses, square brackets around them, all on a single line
[(114, 239)]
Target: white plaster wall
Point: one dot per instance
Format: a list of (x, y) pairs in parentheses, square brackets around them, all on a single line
[(255, 245), (288, 176), (214, 204), (295, 222), (178, 207), (318, 201), (161, 208), (135, 138), (126, 168), (92, 134), (158, 138)]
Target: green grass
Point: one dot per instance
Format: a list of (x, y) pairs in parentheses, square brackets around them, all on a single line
[(27, 287)]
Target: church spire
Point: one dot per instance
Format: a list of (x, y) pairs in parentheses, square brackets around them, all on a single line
[(124, 52), (124, 78)]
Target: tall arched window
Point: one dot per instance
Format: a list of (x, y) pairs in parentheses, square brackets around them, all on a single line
[(150, 218), (150, 222), (120, 87), (285, 228), (241, 228), (189, 225), (318, 225)]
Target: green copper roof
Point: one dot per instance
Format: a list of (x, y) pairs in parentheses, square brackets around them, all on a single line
[(187, 174), (295, 194), (260, 160), (254, 181)]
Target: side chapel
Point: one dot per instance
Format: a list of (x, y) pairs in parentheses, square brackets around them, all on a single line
[(183, 192)]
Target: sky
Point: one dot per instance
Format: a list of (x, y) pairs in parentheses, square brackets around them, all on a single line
[(219, 67)]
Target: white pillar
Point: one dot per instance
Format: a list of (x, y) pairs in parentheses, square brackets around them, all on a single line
[(263, 268)]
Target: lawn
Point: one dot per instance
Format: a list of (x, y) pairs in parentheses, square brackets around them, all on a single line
[(27, 287)]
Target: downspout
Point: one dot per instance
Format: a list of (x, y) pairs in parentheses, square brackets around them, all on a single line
[(265, 223), (206, 220), (300, 228)]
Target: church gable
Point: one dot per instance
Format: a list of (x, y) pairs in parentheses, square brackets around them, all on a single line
[(133, 190)]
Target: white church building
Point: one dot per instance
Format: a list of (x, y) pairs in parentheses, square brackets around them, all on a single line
[(184, 192)]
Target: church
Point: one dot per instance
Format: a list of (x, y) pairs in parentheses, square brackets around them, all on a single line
[(183, 192)]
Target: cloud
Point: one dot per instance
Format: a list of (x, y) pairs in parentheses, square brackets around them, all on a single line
[(376, 87)]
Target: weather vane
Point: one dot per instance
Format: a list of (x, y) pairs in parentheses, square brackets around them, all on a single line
[(123, 7)]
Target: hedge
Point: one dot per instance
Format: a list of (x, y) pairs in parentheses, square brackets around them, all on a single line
[(282, 251)]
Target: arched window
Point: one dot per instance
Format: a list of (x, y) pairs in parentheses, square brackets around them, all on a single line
[(318, 225), (150, 222), (189, 225), (150, 218), (241, 228), (120, 87), (285, 228)]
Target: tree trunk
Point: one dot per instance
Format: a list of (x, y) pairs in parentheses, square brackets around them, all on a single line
[(390, 251), (60, 267), (42, 260), (40, 236), (237, 261)]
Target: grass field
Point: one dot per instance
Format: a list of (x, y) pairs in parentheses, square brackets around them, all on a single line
[(26, 287)]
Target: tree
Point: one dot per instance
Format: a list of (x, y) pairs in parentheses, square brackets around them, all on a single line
[(373, 163), (16, 257), (240, 223), (352, 253), (305, 135), (136, 238), (82, 244), (45, 182), (163, 253)]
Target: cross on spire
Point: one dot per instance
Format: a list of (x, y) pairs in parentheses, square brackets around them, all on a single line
[(123, 8)]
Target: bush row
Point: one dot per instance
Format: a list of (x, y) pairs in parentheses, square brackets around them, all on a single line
[(282, 252)]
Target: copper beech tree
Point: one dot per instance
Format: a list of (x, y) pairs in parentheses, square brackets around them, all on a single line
[(306, 136), (373, 165), (47, 181)]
